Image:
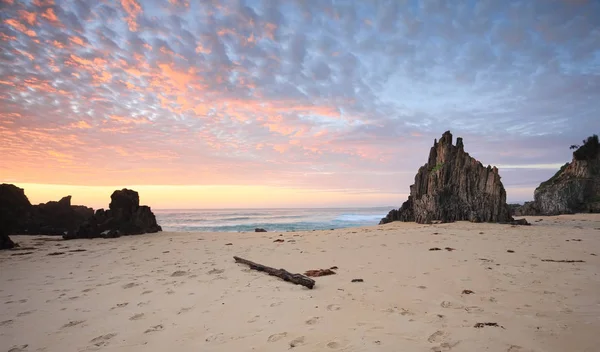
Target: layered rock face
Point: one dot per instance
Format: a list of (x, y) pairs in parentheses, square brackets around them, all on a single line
[(125, 216), (575, 188), (453, 186)]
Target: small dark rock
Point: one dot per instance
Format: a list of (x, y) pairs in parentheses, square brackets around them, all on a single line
[(467, 292), (510, 251), (435, 249), (450, 249), (279, 240), (334, 268), (259, 230), (229, 244), (357, 280)]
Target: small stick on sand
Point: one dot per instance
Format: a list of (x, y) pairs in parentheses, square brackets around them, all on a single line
[(298, 279)]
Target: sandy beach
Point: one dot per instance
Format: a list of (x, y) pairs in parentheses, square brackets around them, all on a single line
[(184, 292)]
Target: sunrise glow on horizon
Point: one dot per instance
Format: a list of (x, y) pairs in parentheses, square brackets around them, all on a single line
[(243, 104)]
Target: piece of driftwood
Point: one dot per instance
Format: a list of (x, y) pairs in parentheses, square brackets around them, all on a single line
[(283, 274)]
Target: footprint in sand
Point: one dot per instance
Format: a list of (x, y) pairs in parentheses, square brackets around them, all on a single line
[(72, 323), (436, 336), (120, 305), (184, 310), (277, 337), (103, 340), (179, 273), (6, 322), (21, 348), (25, 313), (333, 307), (216, 271), (155, 328), (333, 345), (146, 292), (297, 342), (474, 309), (447, 304), (313, 320), (137, 316), (445, 346), (130, 285)]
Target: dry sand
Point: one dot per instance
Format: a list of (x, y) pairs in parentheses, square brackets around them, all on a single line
[(183, 291)]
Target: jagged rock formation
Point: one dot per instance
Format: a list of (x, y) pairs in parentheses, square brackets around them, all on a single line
[(125, 216), (55, 218), (575, 188), (453, 186), (13, 206), (52, 218)]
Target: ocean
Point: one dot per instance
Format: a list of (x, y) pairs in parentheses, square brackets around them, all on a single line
[(242, 220)]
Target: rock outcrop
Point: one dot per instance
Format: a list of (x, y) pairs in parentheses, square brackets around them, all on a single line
[(124, 217), (14, 205), (575, 188), (453, 186), (56, 218)]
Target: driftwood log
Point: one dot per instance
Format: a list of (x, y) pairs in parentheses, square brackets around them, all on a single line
[(298, 279)]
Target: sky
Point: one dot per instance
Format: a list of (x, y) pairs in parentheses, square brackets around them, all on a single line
[(299, 103)]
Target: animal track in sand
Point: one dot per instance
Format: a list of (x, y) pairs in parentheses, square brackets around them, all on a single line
[(137, 316), (313, 320), (72, 323), (333, 307), (103, 340), (155, 328), (277, 337)]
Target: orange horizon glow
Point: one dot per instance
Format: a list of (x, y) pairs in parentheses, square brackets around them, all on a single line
[(213, 196)]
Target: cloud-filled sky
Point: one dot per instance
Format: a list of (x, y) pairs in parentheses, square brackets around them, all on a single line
[(343, 97)]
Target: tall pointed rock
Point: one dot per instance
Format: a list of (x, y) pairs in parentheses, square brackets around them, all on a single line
[(453, 186)]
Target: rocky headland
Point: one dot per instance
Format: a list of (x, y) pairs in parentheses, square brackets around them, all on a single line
[(575, 188)]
